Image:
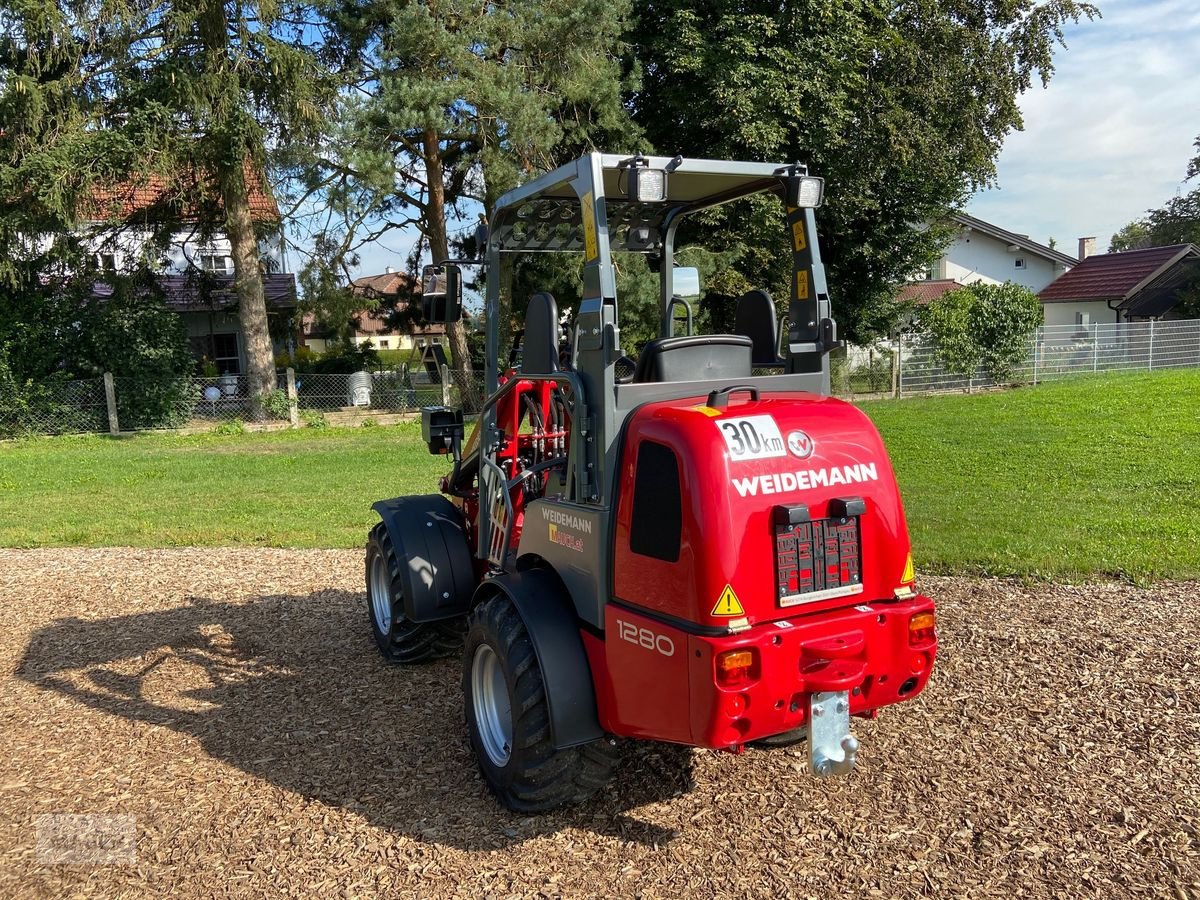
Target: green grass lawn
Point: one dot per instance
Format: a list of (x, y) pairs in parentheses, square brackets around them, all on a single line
[(1087, 476)]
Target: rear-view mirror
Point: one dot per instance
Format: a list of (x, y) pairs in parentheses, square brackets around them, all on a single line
[(685, 282), (441, 293)]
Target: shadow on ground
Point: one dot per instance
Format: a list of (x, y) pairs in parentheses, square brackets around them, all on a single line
[(291, 690)]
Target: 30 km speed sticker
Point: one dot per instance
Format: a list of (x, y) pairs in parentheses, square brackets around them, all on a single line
[(752, 437)]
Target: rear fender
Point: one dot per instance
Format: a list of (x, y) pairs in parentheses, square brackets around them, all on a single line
[(549, 617), (434, 559)]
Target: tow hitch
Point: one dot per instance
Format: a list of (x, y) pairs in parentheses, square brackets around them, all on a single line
[(832, 749)]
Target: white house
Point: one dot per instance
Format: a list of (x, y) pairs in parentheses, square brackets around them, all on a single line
[(194, 270)]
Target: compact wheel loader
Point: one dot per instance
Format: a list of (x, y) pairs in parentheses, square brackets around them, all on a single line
[(698, 546)]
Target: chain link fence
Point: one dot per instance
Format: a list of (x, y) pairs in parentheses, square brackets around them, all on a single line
[(1057, 351), (116, 405), (53, 407), (910, 365)]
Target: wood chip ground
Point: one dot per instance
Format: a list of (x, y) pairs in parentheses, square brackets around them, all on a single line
[(232, 703)]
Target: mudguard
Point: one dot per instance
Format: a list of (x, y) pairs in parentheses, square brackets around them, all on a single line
[(436, 568), (549, 617)]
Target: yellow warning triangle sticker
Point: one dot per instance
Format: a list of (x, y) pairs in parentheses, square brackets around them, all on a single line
[(728, 605), (910, 574)]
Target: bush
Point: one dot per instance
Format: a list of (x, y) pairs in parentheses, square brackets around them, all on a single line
[(276, 404), (312, 418), (983, 326)]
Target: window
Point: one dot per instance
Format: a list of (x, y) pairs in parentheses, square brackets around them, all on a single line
[(657, 508), (1082, 318), (106, 262), (384, 343), (1019, 262), (221, 350), (213, 261)]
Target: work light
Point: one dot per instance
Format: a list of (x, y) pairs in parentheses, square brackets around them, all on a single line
[(646, 185)]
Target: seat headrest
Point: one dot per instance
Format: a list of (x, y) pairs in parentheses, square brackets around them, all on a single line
[(539, 356)]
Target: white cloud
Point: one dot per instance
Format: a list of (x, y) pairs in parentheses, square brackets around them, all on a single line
[(1111, 136)]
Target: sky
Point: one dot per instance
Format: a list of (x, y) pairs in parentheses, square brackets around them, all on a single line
[(1112, 134), (1109, 138)]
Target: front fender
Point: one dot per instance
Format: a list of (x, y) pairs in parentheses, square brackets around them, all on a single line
[(435, 565)]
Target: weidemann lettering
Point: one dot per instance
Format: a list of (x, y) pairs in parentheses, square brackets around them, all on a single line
[(567, 520), (805, 479)]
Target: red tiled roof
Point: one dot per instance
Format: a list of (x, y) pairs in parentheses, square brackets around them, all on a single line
[(925, 292), (386, 284), (153, 193), (1110, 276)]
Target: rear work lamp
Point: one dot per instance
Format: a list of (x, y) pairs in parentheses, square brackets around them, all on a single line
[(646, 185), (803, 190)]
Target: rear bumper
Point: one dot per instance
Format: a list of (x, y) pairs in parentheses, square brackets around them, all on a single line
[(864, 650)]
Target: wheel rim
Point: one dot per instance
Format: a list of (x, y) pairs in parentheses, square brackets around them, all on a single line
[(381, 594), (493, 712)]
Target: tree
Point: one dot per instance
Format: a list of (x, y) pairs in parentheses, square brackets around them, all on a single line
[(983, 326), (1176, 222), (457, 103), (192, 93), (902, 107)]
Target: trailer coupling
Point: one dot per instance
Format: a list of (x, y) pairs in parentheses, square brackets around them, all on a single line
[(832, 749)]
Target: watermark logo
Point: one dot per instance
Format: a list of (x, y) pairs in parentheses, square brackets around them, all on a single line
[(86, 840)]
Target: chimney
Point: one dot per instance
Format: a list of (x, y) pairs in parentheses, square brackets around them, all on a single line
[(390, 271), (1087, 246)]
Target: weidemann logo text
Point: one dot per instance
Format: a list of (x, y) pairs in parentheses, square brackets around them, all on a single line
[(805, 479)]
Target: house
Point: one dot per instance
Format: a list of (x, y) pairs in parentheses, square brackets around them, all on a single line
[(1122, 287), (393, 290), (195, 269), (982, 252)]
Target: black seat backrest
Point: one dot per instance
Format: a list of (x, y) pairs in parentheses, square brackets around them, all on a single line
[(695, 358), (755, 318), (539, 355)]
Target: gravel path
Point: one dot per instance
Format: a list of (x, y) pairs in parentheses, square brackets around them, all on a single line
[(232, 703)]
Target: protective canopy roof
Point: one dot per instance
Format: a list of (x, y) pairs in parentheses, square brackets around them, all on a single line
[(546, 214)]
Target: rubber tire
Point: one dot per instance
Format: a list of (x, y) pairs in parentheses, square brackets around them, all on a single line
[(779, 741), (537, 777), (407, 641)]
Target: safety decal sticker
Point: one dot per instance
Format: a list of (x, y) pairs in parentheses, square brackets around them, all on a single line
[(910, 573), (728, 604), (752, 437), (707, 410), (587, 212)]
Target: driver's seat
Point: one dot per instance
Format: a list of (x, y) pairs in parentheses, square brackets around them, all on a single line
[(696, 357)]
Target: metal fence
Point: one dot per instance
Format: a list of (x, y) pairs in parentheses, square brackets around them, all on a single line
[(119, 405), (1057, 351), (910, 365)]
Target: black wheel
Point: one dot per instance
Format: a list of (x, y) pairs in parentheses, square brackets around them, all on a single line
[(777, 741), (401, 640), (509, 721)]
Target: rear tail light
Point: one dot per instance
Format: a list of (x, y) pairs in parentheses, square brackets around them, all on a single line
[(921, 628), (735, 667)]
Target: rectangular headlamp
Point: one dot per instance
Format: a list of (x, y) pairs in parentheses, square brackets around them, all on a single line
[(805, 191), (647, 185)]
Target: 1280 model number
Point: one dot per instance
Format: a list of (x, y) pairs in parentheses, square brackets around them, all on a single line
[(645, 638)]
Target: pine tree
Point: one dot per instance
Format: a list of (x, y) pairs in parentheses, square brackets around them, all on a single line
[(460, 102), (193, 93)]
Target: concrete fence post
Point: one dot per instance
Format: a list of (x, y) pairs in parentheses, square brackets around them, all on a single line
[(293, 399), (1150, 364), (110, 398), (1095, 347), (1037, 341), (445, 385), (896, 369)]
